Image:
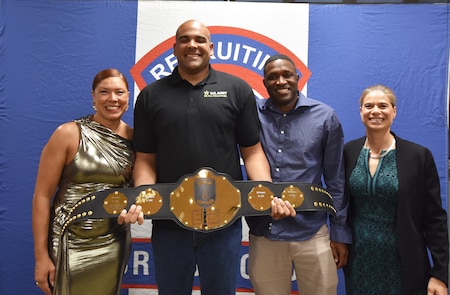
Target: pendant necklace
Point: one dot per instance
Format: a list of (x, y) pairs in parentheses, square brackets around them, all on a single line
[(383, 153)]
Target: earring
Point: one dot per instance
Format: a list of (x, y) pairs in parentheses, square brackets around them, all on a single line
[(93, 106)]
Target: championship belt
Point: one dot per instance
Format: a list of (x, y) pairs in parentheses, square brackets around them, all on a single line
[(204, 201)]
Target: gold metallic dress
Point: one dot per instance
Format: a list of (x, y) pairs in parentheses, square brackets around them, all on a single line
[(91, 256)]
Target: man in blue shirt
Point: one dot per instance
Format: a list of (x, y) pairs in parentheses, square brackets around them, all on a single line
[(303, 140)]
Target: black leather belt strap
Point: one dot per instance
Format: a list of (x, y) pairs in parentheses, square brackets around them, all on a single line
[(204, 201)]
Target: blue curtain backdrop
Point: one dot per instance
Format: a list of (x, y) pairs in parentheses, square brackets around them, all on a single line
[(50, 51)]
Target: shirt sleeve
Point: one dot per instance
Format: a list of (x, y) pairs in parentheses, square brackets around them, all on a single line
[(142, 134), (334, 179), (248, 125)]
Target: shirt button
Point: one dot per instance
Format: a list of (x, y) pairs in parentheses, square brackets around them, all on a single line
[(277, 169), (279, 150), (284, 115), (282, 132)]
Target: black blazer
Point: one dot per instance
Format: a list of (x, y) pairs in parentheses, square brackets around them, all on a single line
[(421, 220)]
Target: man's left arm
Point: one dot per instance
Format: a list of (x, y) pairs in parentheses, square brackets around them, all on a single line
[(334, 178)]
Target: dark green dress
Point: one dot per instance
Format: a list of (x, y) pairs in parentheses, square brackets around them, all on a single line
[(376, 267)]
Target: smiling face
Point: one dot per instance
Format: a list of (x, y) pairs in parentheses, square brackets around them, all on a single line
[(110, 97), (193, 48), (377, 111), (281, 81)]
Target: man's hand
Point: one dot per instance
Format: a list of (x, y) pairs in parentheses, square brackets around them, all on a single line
[(340, 253), (281, 209), (134, 214)]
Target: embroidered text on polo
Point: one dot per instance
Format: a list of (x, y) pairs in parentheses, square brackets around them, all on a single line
[(215, 94)]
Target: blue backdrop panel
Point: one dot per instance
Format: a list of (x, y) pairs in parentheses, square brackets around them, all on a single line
[(50, 51), (402, 46), (49, 54)]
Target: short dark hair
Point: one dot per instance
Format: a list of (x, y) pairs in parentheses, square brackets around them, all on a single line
[(278, 56)]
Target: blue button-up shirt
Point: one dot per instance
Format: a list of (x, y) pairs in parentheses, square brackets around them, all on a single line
[(304, 145)]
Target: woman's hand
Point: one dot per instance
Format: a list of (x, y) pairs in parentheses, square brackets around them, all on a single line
[(44, 275), (131, 216), (436, 287)]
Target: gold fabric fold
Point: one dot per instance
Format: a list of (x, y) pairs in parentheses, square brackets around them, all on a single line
[(92, 254)]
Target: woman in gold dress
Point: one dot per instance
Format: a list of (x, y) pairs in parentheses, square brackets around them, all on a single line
[(85, 155)]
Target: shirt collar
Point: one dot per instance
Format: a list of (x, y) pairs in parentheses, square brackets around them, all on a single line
[(210, 79), (302, 102)]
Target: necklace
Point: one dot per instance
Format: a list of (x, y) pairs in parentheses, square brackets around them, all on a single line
[(383, 152)]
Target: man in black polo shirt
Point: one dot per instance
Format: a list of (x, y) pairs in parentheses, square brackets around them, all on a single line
[(197, 117)]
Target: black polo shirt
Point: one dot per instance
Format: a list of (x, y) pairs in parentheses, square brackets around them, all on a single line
[(189, 127)]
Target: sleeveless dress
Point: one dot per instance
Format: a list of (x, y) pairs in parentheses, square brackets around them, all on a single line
[(91, 256), (376, 267)]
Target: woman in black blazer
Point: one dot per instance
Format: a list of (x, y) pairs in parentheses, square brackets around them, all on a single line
[(396, 211)]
